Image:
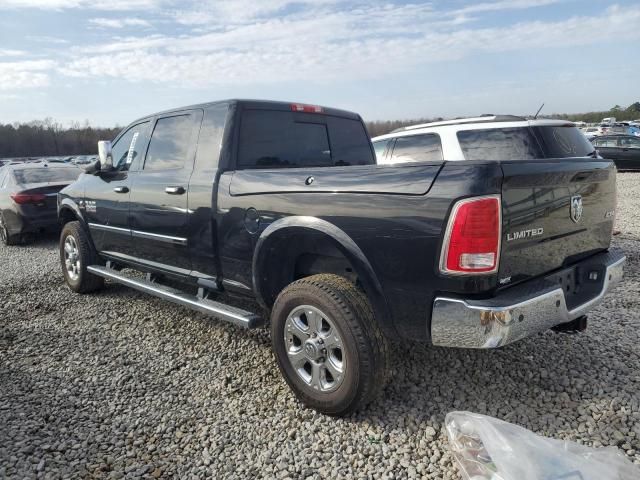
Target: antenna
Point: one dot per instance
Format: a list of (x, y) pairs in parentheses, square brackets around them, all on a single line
[(536, 115)]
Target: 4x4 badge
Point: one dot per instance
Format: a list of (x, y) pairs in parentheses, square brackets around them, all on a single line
[(576, 208)]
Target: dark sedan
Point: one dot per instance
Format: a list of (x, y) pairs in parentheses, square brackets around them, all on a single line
[(28, 198), (624, 150)]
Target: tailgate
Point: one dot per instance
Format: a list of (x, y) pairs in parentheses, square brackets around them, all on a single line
[(555, 212)]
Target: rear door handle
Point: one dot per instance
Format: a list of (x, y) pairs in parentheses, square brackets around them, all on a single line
[(175, 190), (121, 189)]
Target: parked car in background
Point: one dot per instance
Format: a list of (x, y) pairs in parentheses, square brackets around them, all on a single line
[(624, 150), (502, 137), (592, 132), (28, 193), (83, 159)]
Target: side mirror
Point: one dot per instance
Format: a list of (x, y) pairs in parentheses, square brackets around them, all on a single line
[(91, 168), (104, 155)]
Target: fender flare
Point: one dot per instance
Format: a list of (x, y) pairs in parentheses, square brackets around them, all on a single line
[(68, 204), (343, 242)]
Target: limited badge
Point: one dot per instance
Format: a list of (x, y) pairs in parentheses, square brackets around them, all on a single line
[(576, 208)]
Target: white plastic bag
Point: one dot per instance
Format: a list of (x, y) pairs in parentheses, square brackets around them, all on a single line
[(489, 449)]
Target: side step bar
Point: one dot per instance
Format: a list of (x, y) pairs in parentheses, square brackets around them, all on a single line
[(234, 315)]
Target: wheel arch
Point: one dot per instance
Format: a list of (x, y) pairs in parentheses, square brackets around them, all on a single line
[(68, 211), (274, 261)]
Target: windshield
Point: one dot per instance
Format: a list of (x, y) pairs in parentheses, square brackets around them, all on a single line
[(46, 175)]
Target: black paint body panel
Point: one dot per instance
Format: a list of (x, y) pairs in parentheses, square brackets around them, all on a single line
[(388, 221)]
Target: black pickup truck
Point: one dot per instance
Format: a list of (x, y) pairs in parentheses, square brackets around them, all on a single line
[(284, 203)]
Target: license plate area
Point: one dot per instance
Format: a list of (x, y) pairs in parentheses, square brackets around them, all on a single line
[(579, 284)]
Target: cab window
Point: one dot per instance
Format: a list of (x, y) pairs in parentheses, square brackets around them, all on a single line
[(280, 139), (170, 143), (130, 146)]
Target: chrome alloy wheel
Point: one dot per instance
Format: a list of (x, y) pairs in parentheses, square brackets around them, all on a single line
[(72, 258), (315, 348)]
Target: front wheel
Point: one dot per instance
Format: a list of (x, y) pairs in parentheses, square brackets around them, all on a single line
[(328, 345), (76, 254)]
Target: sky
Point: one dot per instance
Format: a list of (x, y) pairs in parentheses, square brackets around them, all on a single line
[(111, 61)]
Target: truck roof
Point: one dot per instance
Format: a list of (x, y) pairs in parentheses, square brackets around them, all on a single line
[(259, 104)]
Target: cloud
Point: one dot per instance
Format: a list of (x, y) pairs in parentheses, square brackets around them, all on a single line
[(340, 45), (47, 39), (115, 5), (504, 5), (25, 74), (119, 22), (7, 52)]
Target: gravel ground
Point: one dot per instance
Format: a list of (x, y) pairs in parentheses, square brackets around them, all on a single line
[(118, 384)]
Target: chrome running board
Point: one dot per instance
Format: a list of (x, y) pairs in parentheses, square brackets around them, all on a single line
[(230, 314)]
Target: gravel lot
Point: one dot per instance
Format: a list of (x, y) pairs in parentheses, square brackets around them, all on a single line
[(118, 384)]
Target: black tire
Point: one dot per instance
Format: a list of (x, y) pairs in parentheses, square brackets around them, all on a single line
[(84, 282), (5, 237), (365, 349)]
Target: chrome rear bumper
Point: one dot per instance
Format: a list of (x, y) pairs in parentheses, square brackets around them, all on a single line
[(517, 312)]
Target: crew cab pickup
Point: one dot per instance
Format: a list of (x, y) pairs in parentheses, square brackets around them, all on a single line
[(285, 204)]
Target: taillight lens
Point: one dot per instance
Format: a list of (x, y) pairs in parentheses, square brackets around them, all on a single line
[(27, 198), (472, 238)]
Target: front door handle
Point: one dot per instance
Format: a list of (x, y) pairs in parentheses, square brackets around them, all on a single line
[(121, 189), (175, 190)]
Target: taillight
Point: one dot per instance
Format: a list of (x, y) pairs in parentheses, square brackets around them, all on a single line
[(299, 107), (472, 239), (27, 198)]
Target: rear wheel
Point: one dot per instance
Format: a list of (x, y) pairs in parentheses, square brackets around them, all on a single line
[(76, 254), (327, 344), (5, 237)]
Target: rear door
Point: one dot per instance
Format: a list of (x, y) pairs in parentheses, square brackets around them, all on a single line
[(158, 213)]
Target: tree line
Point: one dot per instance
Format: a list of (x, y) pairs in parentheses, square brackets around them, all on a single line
[(50, 138), (47, 137)]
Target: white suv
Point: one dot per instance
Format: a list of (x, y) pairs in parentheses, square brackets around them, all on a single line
[(496, 137)]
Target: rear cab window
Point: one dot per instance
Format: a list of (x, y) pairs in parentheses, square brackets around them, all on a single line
[(280, 139)]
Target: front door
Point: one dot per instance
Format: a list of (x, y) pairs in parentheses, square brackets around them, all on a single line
[(159, 191), (106, 201)]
